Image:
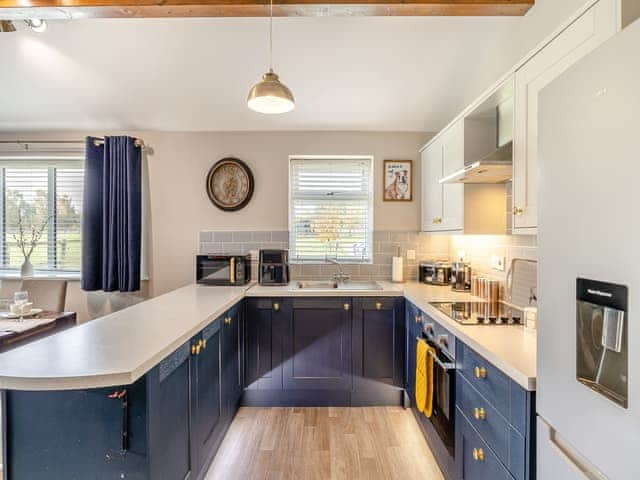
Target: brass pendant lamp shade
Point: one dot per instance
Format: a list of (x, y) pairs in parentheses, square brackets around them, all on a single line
[(270, 95)]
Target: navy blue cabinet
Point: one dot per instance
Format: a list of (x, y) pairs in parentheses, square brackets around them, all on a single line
[(317, 345), (263, 331), (207, 421), (378, 348), (231, 361)]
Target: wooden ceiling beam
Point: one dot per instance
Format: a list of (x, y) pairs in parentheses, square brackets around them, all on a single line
[(77, 9)]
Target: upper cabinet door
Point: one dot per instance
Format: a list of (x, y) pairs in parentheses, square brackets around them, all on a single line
[(453, 193), (595, 26), (431, 189)]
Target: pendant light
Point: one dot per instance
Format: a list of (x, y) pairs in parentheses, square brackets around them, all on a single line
[(270, 95)]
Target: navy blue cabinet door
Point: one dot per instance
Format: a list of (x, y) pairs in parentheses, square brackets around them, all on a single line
[(263, 343), (413, 328), (231, 380), (317, 344), (378, 340), (207, 406), (170, 435)]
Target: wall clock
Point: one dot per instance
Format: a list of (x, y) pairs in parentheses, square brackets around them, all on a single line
[(230, 184)]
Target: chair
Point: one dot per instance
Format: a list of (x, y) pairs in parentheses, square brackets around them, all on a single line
[(46, 294)]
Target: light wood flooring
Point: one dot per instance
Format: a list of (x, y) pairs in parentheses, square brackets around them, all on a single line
[(325, 444)]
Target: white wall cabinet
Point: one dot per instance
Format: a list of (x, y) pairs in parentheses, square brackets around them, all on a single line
[(591, 29), (443, 204)]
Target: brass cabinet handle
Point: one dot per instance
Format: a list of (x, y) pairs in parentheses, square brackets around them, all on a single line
[(437, 220), (480, 413), (198, 348), (418, 318), (276, 307), (378, 306), (478, 454), (204, 343), (346, 307), (518, 211), (227, 320), (193, 349), (481, 372)]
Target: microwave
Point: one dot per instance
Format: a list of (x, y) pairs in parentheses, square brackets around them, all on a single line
[(223, 269)]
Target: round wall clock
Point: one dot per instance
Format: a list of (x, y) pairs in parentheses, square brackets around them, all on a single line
[(230, 184)]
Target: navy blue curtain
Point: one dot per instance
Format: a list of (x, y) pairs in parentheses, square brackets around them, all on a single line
[(112, 215)]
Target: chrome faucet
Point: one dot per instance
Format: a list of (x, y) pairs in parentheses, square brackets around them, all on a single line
[(339, 277)]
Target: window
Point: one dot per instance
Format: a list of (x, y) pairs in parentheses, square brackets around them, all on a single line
[(43, 199), (331, 209)]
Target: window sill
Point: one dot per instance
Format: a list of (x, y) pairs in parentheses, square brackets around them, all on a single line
[(15, 275)]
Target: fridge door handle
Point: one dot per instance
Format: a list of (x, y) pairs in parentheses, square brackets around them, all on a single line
[(575, 459)]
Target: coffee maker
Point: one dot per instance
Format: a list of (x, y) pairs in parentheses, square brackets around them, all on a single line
[(274, 267)]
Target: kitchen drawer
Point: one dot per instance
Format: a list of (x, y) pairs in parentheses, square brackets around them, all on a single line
[(506, 442), (497, 388), (474, 458)]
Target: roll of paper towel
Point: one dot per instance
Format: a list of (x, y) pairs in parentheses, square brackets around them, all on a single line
[(396, 269)]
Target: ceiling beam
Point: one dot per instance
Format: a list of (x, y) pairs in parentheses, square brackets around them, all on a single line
[(77, 9)]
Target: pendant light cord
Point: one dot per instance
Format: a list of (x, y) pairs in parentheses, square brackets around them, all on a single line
[(271, 35)]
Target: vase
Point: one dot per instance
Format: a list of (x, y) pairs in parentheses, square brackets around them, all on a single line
[(27, 269)]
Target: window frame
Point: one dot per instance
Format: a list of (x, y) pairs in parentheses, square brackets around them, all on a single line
[(370, 208), (51, 161)]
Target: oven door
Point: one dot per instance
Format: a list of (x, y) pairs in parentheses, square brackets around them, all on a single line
[(215, 270), (444, 397)]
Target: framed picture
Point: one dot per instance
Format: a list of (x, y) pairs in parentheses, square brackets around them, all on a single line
[(398, 181)]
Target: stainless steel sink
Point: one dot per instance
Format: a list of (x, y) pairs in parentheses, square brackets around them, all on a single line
[(333, 285)]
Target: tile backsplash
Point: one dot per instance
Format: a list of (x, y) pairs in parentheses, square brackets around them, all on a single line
[(477, 249), (385, 245)]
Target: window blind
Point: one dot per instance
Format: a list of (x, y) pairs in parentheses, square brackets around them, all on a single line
[(331, 209), (43, 199)]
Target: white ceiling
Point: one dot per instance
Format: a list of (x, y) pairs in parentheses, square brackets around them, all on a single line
[(367, 73)]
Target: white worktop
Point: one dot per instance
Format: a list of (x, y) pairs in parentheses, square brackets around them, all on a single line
[(510, 348), (119, 348)]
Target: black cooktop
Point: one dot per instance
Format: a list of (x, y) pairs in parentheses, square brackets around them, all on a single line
[(480, 313)]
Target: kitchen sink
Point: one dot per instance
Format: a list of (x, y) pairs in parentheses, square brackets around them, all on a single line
[(333, 285)]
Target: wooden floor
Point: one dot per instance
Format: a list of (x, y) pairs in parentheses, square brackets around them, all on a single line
[(324, 443)]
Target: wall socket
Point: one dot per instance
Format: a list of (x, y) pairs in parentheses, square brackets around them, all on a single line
[(411, 254), (497, 262)]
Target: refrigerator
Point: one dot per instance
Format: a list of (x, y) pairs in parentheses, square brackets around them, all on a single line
[(588, 362)]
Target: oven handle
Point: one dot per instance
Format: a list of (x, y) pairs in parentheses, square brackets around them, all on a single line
[(446, 366)]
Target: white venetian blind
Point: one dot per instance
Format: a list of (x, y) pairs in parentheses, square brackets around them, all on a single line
[(331, 209), (43, 197)]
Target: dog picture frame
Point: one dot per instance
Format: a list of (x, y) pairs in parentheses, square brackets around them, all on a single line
[(397, 181)]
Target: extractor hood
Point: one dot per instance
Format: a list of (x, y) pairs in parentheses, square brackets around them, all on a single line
[(497, 167)]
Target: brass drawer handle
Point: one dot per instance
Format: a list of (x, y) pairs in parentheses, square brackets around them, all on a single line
[(346, 307), (204, 343), (481, 372), (478, 454), (480, 413), (276, 307), (378, 306), (418, 318), (518, 211), (227, 320), (437, 220), (193, 349)]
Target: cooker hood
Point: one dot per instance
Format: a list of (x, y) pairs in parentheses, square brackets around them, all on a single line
[(497, 167)]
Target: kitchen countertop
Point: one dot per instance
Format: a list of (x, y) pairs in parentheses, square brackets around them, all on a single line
[(510, 348), (119, 348)]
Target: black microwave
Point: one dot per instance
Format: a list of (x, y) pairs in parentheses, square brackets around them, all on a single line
[(223, 269)]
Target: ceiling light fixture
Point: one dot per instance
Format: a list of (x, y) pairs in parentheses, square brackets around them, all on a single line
[(270, 95), (37, 24), (7, 26)]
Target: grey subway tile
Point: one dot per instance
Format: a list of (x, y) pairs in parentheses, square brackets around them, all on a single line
[(280, 236), (223, 236), (241, 237), (262, 236), (206, 237)]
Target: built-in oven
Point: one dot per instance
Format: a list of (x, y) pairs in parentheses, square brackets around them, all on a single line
[(444, 387), (223, 269)]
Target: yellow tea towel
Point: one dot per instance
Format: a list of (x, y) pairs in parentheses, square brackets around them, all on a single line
[(424, 378)]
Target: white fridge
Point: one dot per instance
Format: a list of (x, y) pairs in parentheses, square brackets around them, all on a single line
[(588, 386)]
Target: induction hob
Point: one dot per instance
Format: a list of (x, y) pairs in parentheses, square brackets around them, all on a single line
[(481, 313)]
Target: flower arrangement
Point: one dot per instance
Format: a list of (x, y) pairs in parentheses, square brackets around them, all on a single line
[(27, 238)]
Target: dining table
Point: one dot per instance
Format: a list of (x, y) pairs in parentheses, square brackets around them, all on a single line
[(17, 332)]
